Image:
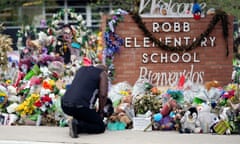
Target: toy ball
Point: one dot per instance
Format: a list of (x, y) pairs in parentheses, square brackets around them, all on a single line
[(157, 117), (172, 114)]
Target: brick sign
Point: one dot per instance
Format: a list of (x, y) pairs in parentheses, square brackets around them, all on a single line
[(140, 58)]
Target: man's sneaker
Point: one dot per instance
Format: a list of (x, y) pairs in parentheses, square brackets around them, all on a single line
[(73, 128)]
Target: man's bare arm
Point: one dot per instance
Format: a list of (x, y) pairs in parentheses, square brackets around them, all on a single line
[(103, 92)]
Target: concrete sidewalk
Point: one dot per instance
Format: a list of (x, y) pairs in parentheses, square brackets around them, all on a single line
[(59, 135)]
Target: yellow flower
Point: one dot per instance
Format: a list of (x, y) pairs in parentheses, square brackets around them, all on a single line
[(125, 93), (8, 82), (27, 107), (3, 94), (52, 82)]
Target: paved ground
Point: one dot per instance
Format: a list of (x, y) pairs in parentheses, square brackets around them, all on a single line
[(59, 135)]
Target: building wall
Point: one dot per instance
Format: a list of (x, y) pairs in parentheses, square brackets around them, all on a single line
[(213, 64)]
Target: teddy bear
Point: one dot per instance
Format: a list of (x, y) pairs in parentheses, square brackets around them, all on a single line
[(210, 84), (164, 120), (119, 121), (167, 107), (189, 122), (123, 114)]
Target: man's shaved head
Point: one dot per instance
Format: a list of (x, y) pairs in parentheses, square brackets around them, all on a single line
[(102, 66)]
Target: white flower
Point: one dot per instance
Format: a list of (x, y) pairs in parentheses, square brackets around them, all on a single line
[(25, 34), (73, 15), (55, 22), (83, 22), (52, 96), (54, 15), (79, 39), (12, 108), (43, 108), (27, 27), (79, 18)]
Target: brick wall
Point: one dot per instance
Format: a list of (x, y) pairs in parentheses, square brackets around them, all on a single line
[(213, 64)]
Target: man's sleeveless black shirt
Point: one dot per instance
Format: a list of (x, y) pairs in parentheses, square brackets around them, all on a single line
[(84, 89)]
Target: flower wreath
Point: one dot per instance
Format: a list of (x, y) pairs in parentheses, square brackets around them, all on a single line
[(27, 31), (83, 37), (80, 27), (113, 42)]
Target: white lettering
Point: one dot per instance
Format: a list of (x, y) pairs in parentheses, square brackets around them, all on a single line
[(186, 57), (168, 40), (155, 27), (144, 58), (155, 8), (204, 42), (177, 42), (212, 40), (143, 73), (143, 5), (177, 27), (136, 45), (176, 57), (170, 78), (166, 27), (146, 42), (195, 60), (186, 27), (152, 59), (187, 40), (173, 58), (164, 58), (134, 42), (127, 42)]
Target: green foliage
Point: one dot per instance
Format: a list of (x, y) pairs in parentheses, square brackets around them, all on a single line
[(146, 103)]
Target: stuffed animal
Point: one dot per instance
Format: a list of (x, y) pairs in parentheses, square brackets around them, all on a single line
[(196, 10), (166, 109), (189, 122), (206, 117), (221, 125), (210, 84), (166, 123), (119, 121)]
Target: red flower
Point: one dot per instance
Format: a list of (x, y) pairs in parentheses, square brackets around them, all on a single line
[(38, 103), (229, 94), (55, 75), (46, 85), (46, 98)]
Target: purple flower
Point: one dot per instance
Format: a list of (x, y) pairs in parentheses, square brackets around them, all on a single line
[(115, 17)]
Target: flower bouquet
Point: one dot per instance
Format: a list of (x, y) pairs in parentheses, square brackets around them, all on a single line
[(44, 110), (147, 103)]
